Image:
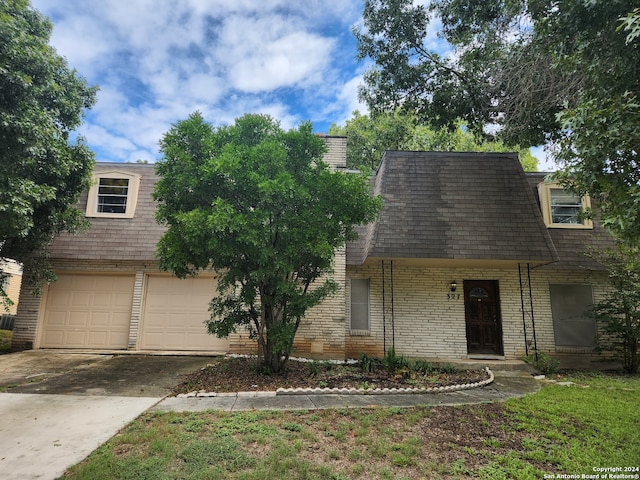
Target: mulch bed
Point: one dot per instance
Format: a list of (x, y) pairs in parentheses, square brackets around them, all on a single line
[(237, 374)]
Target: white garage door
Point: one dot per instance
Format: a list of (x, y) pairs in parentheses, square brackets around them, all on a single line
[(88, 311), (174, 314)]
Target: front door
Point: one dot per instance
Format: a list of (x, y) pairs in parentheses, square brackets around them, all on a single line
[(482, 315)]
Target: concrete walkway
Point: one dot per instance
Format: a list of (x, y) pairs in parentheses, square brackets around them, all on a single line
[(506, 385), (42, 435)]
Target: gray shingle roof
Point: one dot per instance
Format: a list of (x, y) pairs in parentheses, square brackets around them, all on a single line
[(117, 238), (571, 244), (454, 206)]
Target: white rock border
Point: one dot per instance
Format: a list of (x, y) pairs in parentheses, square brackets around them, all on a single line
[(345, 391)]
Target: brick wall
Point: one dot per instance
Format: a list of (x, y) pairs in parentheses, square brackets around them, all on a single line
[(322, 330), (336, 155), (429, 325), (12, 283), (26, 322), (12, 289)]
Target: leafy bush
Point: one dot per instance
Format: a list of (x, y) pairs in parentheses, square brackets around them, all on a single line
[(448, 368), (314, 368), (544, 362), (5, 340), (394, 363), (618, 313), (366, 363), (423, 366)]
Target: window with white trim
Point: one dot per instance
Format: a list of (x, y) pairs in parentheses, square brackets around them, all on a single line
[(562, 208), (359, 303), (113, 194)]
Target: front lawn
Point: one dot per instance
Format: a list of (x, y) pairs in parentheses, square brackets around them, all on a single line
[(563, 429)]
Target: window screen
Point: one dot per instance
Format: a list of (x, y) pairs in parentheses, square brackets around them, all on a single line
[(359, 304), (569, 303), (112, 195), (565, 206)]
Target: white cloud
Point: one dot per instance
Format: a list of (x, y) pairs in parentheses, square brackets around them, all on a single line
[(267, 53), (156, 61), (345, 103), (83, 42), (102, 139)]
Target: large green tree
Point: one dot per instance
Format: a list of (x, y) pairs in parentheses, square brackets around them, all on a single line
[(561, 72), (259, 206), (369, 136), (42, 171)]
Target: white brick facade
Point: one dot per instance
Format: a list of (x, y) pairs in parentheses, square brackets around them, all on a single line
[(429, 324)]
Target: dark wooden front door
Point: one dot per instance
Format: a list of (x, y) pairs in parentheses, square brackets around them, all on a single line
[(482, 315)]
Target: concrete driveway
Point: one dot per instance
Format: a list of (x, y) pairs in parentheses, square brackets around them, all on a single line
[(57, 407)]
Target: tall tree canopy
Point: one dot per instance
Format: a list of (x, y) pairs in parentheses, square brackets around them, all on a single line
[(42, 171), (369, 136), (565, 72), (259, 206)]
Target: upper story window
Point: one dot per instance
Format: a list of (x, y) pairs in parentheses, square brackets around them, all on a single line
[(561, 208), (113, 194)]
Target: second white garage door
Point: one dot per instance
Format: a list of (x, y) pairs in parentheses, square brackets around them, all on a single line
[(174, 313)]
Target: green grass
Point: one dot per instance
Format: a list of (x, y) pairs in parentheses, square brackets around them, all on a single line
[(560, 430), (5, 340)]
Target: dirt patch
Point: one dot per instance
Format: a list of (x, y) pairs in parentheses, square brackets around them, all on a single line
[(232, 374), (443, 442)]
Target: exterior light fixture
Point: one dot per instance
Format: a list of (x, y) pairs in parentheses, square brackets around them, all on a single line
[(454, 285)]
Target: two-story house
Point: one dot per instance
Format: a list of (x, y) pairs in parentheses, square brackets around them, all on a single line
[(470, 258)]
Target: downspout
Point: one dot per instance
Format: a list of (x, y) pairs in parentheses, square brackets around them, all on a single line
[(384, 316), (533, 320), (524, 314), (393, 318)]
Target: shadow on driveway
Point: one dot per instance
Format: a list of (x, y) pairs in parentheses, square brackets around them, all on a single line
[(91, 374)]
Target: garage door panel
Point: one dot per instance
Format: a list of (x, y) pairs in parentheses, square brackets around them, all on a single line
[(97, 338), (103, 299), (78, 319), (174, 315), (122, 302), (121, 322), (88, 311), (53, 337), (100, 320), (75, 338), (56, 319), (61, 300), (82, 298)]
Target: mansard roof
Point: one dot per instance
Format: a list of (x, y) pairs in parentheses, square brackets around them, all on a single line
[(454, 206)]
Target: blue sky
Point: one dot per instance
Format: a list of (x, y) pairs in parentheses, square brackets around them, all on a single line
[(157, 61)]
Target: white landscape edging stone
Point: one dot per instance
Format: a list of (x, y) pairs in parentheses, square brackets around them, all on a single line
[(386, 391), (346, 391)]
